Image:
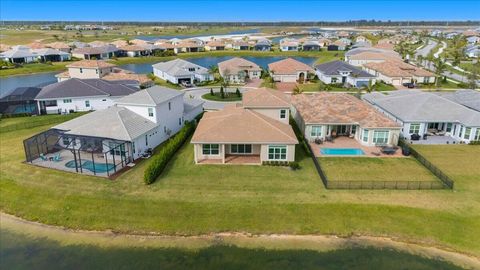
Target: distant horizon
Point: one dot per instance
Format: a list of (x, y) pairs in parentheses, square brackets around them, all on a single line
[(215, 11)]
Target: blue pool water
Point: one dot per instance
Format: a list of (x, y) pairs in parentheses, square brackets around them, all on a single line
[(342, 151), (87, 164)]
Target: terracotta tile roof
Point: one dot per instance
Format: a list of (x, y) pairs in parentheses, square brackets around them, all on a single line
[(386, 46), (91, 64), (366, 55), (398, 69), (119, 43), (122, 76), (216, 43), (98, 43), (264, 98), (239, 125), (132, 48), (288, 66), (4, 47), (36, 45), (339, 108), (237, 64), (188, 44), (138, 41), (57, 45)]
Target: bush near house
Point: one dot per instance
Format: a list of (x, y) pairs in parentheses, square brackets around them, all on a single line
[(161, 159)]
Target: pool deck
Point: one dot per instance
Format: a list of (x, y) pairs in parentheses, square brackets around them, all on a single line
[(346, 142), (66, 156)]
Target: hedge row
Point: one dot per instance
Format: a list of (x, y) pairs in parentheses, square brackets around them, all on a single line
[(168, 150), (299, 134)]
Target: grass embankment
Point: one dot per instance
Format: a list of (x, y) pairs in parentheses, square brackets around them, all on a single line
[(375, 169), (34, 68), (190, 199), (229, 97), (320, 86)]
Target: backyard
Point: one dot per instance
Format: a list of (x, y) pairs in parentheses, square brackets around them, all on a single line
[(318, 85), (189, 199)]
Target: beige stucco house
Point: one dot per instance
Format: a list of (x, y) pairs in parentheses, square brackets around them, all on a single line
[(239, 70), (249, 133), (323, 114), (289, 70)]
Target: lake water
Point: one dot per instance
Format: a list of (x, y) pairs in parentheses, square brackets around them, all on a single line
[(22, 251), (8, 84), (238, 32)]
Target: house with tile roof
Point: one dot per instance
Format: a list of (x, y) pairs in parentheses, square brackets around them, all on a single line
[(239, 70), (289, 44), (250, 133), (97, 52), (324, 115), (22, 54), (440, 118), (289, 70), (339, 72), (181, 71), (360, 56), (398, 72)]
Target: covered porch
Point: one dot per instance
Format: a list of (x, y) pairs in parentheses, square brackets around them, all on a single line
[(248, 154)]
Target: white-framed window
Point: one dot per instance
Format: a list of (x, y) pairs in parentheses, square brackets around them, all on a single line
[(150, 112), (241, 148), (133, 147), (81, 70), (380, 136), (68, 100), (365, 135), (449, 127), (146, 140), (210, 149), (169, 106), (316, 131), (277, 152), (334, 80), (180, 121), (87, 103), (96, 71), (477, 135), (283, 114), (467, 133), (414, 128)]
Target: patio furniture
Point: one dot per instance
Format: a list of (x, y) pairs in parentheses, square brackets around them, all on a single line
[(441, 133), (405, 151), (329, 139), (351, 136), (415, 137), (425, 136), (389, 150), (43, 157), (318, 141), (57, 158), (376, 153), (334, 134), (432, 130)]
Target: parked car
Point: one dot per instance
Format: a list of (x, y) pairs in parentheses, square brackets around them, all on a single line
[(409, 85)]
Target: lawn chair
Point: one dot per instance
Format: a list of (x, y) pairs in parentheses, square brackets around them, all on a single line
[(57, 158), (43, 157)]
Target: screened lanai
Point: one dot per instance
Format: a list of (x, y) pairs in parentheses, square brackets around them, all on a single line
[(59, 150)]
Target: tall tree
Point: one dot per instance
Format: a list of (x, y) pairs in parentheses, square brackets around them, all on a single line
[(440, 67)]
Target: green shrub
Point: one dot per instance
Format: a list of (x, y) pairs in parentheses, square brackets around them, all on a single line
[(168, 150), (294, 165), (474, 143), (211, 92)]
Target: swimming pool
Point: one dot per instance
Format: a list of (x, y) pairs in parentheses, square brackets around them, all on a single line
[(87, 164), (342, 151)]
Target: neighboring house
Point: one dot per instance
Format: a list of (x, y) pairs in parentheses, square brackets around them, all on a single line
[(215, 45), (98, 53), (385, 46), (466, 97), (398, 73), (360, 56), (345, 41), (361, 45), (253, 133), (427, 113), (99, 69), (263, 45), (133, 51), (190, 45), (239, 70), (20, 101), (241, 45), (361, 39), (97, 43), (115, 136), (289, 70), (332, 47), (119, 43), (179, 71), (323, 114), (473, 39), (289, 44), (61, 46), (340, 45), (22, 54), (339, 72), (310, 45), (79, 95), (473, 51)]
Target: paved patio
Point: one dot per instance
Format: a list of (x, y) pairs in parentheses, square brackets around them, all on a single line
[(234, 160), (346, 142), (436, 140)]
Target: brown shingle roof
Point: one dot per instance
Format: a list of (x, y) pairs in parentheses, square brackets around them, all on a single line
[(265, 98), (238, 125), (398, 69), (288, 66), (340, 108), (90, 64)]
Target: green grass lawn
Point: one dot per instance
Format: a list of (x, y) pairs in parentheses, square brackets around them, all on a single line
[(443, 85), (190, 199), (375, 169), (217, 97), (34, 68), (316, 86)]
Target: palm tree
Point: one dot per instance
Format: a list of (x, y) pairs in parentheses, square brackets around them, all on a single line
[(370, 87), (440, 67)]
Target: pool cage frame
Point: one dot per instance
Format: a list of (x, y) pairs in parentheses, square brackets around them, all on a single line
[(48, 142)]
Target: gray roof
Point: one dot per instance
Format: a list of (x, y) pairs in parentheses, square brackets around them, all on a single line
[(466, 97), (114, 122), (150, 96), (417, 106), (190, 104), (95, 50), (333, 68), (369, 49), (84, 88), (179, 67)]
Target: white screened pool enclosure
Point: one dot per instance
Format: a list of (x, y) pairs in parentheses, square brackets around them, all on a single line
[(56, 149)]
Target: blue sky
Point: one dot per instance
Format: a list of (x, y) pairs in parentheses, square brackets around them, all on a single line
[(246, 10)]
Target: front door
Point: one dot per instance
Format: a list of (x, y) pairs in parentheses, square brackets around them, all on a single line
[(344, 79), (301, 77)]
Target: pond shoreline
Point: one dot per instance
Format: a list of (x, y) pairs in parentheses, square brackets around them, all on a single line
[(241, 239)]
